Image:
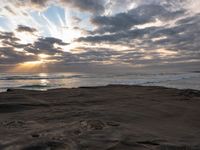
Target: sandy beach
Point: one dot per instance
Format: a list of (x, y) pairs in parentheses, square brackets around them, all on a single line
[(114, 117)]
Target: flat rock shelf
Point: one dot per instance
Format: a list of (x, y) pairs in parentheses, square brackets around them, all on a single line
[(113, 117)]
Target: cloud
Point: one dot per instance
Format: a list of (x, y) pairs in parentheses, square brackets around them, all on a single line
[(46, 46), (33, 4), (13, 52), (175, 41), (183, 36), (10, 10), (76, 20), (97, 54), (8, 55), (8, 39), (137, 16), (51, 40), (41, 3), (22, 28), (122, 31), (117, 6), (94, 6), (8, 36), (177, 30), (119, 36)]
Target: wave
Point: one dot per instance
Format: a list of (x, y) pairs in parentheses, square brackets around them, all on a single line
[(125, 75), (35, 86), (38, 77), (38, 87), (76, 80)]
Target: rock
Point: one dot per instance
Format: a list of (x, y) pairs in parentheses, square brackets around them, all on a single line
[(190, 93), (35, 135), (92, 124), (115, 124), (9, 90)]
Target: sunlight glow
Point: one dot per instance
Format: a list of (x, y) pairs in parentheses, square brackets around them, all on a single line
[(147, 57), (66, 31), (166, 53), (34, 66), (156, 23), (43, 56), (26, 38), (30, 66), (159, 38), (43, 75)]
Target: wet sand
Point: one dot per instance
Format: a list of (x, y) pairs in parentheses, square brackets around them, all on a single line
[(113, 117)]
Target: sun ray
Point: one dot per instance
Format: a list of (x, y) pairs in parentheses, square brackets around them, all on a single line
[(30, 66)]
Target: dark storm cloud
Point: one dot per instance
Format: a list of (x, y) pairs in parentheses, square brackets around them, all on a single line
[(140, 15), (22, 28)]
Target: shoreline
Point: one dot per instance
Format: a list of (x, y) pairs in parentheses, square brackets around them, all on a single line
[(112, 117), (52, 81), (100, 86)]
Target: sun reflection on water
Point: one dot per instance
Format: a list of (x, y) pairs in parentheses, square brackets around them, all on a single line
[(43, 81)]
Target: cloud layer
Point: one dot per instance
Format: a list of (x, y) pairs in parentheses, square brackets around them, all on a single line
[(139, 32)]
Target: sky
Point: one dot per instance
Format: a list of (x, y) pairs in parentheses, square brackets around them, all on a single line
[(98, 35)]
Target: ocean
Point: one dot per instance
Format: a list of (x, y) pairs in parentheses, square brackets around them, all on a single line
[(44, 81)]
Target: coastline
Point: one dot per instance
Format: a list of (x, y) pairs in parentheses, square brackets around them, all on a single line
[(113, 117), (187, 80)]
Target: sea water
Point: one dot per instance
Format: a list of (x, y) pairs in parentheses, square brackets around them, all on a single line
[(44, 81)]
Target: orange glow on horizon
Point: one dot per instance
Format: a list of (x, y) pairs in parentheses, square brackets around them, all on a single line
[(30, 66), (40, 65)]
